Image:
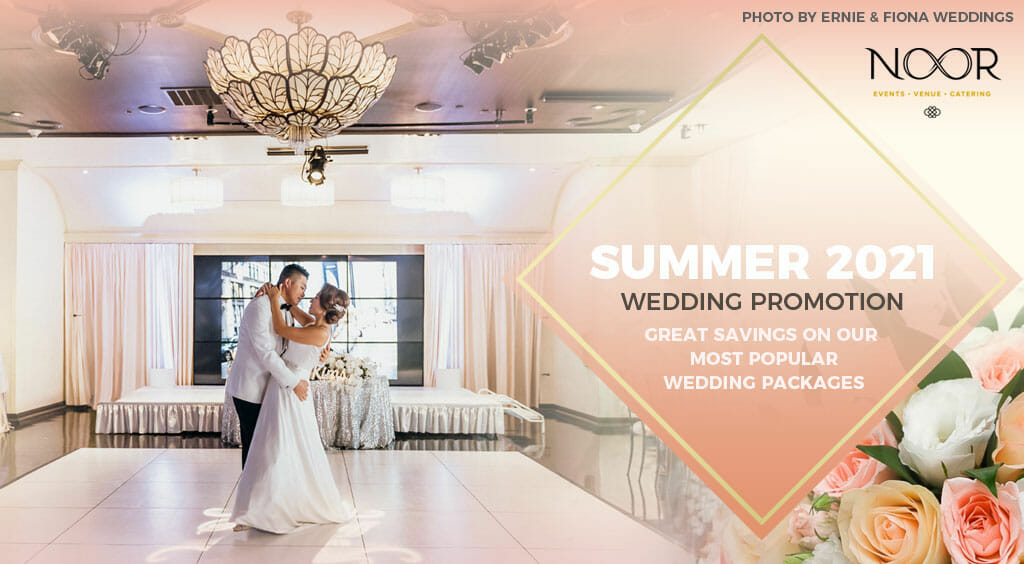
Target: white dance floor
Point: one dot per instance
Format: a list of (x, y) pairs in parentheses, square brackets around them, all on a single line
[(172, 506), (181, 409)]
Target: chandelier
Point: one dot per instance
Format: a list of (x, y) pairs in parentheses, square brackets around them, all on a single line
[(189, 194), (418, 192), (299, 87)]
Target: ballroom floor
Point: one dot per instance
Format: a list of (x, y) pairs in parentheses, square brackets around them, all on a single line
[(627, 473), (172, 505)]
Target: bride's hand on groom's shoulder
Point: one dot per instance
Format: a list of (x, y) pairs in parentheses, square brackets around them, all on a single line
[(264, 290)]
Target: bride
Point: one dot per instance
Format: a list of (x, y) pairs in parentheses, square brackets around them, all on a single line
[(287, 480)]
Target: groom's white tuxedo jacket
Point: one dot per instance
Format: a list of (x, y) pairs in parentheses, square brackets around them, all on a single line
[(258, 357)]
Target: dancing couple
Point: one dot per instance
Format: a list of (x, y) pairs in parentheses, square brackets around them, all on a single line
[(286, 480)]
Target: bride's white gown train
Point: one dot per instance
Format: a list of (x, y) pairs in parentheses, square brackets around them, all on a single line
[(287, 481)]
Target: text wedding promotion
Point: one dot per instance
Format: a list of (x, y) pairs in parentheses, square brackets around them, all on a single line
[(760, 262)]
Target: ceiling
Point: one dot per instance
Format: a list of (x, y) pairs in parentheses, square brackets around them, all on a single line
[(615, 51), (509, 186)]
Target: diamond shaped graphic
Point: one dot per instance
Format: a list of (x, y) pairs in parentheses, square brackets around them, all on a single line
[(762, 366)]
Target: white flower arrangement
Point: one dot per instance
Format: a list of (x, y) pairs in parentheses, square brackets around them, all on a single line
[(343, 367)]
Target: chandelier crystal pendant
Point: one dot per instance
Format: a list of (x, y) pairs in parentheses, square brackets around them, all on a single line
[(296, 193), (189, 194), (418, 192), (300, 87)]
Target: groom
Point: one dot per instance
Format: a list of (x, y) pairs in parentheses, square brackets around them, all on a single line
[(258, 357)]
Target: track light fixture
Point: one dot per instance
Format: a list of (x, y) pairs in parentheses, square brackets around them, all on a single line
[(314, 171), (500, 40), (70, 36)]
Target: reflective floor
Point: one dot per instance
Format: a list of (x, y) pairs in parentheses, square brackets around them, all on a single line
[(426, 507), (627, 468)]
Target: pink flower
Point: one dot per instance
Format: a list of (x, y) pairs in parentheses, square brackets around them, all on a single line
[(996, 361), (856, 469), (979, 528), (808, 528)]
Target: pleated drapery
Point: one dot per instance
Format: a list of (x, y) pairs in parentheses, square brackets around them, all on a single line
[(125, 305), (502, 333), (169, 292), (444, 296)]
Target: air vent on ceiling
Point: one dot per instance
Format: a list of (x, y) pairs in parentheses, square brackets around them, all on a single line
[(192, 96)]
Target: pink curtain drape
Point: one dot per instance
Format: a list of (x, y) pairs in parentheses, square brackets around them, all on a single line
[(444, 295), (169, 300), (105, 322), (127, 308), (502, 333)]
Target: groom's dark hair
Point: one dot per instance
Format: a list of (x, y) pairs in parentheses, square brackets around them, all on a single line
[(289, 271)]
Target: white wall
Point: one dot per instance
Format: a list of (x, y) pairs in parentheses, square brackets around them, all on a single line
[(8, 254), (39, 295), (565, 380)]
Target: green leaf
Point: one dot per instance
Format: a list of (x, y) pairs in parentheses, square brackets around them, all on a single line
[(990, 321), (890, 456), (987, 476), (990, 448), (950, 368), (798, 558), (896, 425), (1018, 320), (1012, 389), (823, 502)]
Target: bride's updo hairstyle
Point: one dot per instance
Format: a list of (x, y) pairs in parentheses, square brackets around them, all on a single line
[(334, 301)]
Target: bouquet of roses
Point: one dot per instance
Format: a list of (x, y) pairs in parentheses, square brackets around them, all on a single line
[(936, 482)]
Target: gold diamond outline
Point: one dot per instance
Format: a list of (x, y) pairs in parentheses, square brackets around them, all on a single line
[(872, 413)]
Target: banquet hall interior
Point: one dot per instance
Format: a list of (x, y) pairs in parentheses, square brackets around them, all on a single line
[(160, 160), (145, 203)]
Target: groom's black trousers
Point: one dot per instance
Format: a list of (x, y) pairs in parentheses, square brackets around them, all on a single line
[(248, 413)]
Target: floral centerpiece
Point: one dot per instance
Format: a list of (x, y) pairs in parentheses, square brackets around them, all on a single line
[(938, 482), (340, 366)]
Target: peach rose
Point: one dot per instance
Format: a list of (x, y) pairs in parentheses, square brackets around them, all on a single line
[(857, 469), (997, 360), (1010, 444), (978, 527), (891, 523)]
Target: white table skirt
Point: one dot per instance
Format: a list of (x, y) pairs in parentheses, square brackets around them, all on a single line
[(157, 418)]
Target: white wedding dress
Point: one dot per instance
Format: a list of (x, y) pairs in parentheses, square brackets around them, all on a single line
[(287, 481)]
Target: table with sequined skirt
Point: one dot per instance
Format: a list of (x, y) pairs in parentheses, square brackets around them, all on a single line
[(352, 413)]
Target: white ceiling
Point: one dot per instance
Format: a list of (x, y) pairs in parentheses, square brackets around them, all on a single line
[(510, 185)]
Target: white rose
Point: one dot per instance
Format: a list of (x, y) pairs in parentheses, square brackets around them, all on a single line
[(977, 337), (946, 428), (828, 552)]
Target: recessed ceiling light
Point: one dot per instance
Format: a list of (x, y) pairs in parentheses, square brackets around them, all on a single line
[(15, 115), (152, 110), (597, 106), (85, 171), (533, 169), (428, 107)]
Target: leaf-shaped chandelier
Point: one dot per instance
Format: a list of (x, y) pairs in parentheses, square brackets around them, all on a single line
[(299, 87)]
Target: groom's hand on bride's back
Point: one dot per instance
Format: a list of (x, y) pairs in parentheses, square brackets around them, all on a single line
[(301, 389)]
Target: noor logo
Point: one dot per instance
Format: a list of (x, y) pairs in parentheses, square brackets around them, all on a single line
[(919, 63)]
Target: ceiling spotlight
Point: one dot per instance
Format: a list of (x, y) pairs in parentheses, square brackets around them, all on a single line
[(152, 109), (635, 126), (313, 171), (70, 36), (499, 40)]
